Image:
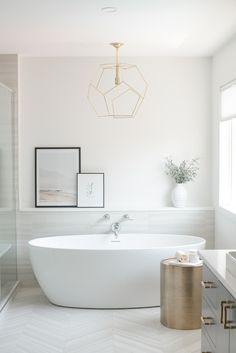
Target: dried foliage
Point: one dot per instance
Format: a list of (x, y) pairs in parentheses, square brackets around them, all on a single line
[(184, 172)]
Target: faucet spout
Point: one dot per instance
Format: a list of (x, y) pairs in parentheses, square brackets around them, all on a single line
[(115, 227)]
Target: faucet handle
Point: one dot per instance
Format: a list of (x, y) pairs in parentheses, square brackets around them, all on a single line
[(128, 218), (107, 216)]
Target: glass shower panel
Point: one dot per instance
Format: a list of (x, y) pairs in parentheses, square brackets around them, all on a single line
[(8, 266)]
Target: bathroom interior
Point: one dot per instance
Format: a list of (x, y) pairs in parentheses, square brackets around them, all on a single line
[(133, 250)]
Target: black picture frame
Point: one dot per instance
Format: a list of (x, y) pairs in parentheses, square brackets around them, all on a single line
[(99, 194), (62, 197)]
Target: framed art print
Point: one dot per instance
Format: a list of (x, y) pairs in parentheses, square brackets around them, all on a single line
[(55, 176), (90, 190)]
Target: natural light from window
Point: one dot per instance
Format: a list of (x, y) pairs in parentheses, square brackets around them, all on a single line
[(227, 192)]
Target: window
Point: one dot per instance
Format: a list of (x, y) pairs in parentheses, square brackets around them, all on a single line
[(227, 195)]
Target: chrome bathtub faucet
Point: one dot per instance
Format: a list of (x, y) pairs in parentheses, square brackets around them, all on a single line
[(115, 227)]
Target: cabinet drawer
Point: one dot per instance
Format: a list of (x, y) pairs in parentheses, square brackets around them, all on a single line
[(209, 322), (210, 284), (206, 346)]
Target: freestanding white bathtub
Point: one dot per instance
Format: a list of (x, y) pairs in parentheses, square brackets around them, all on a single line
[(91, 271)]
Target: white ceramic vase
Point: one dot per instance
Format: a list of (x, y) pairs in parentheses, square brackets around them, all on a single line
[(179, 195)]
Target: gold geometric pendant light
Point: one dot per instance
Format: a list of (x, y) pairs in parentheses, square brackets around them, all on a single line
[(118, 89)]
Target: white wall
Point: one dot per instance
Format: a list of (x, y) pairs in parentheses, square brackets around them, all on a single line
[(173, 120), (224, 70)]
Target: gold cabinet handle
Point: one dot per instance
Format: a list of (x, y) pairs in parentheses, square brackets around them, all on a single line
[(222, 311), (228, 324), (208, 284), (207, 321)]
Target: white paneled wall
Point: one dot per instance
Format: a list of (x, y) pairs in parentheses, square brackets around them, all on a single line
[(39, 223)]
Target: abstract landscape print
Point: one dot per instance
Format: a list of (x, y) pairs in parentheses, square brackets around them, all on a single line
[(55, 176)]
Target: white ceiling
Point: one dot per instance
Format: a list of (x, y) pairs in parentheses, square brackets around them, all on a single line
[(148, 27)]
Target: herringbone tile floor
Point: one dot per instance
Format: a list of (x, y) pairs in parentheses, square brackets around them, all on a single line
[(30, 324)]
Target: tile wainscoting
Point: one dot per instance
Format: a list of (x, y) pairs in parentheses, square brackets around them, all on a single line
[(34, 223)]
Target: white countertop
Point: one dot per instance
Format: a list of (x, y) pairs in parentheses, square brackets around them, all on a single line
[(216, 261)]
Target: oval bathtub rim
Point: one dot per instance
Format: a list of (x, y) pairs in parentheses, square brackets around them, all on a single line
[(31, 243)]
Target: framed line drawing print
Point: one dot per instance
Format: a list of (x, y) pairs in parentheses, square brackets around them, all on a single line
[(55, 176), (90, 190)]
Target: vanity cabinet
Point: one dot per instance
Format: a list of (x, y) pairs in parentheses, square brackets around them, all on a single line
[(218, 316)]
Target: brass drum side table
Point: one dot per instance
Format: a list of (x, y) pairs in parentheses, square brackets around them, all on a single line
[(181, 297)]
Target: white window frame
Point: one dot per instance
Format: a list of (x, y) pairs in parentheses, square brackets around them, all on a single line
[(226, 200)]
